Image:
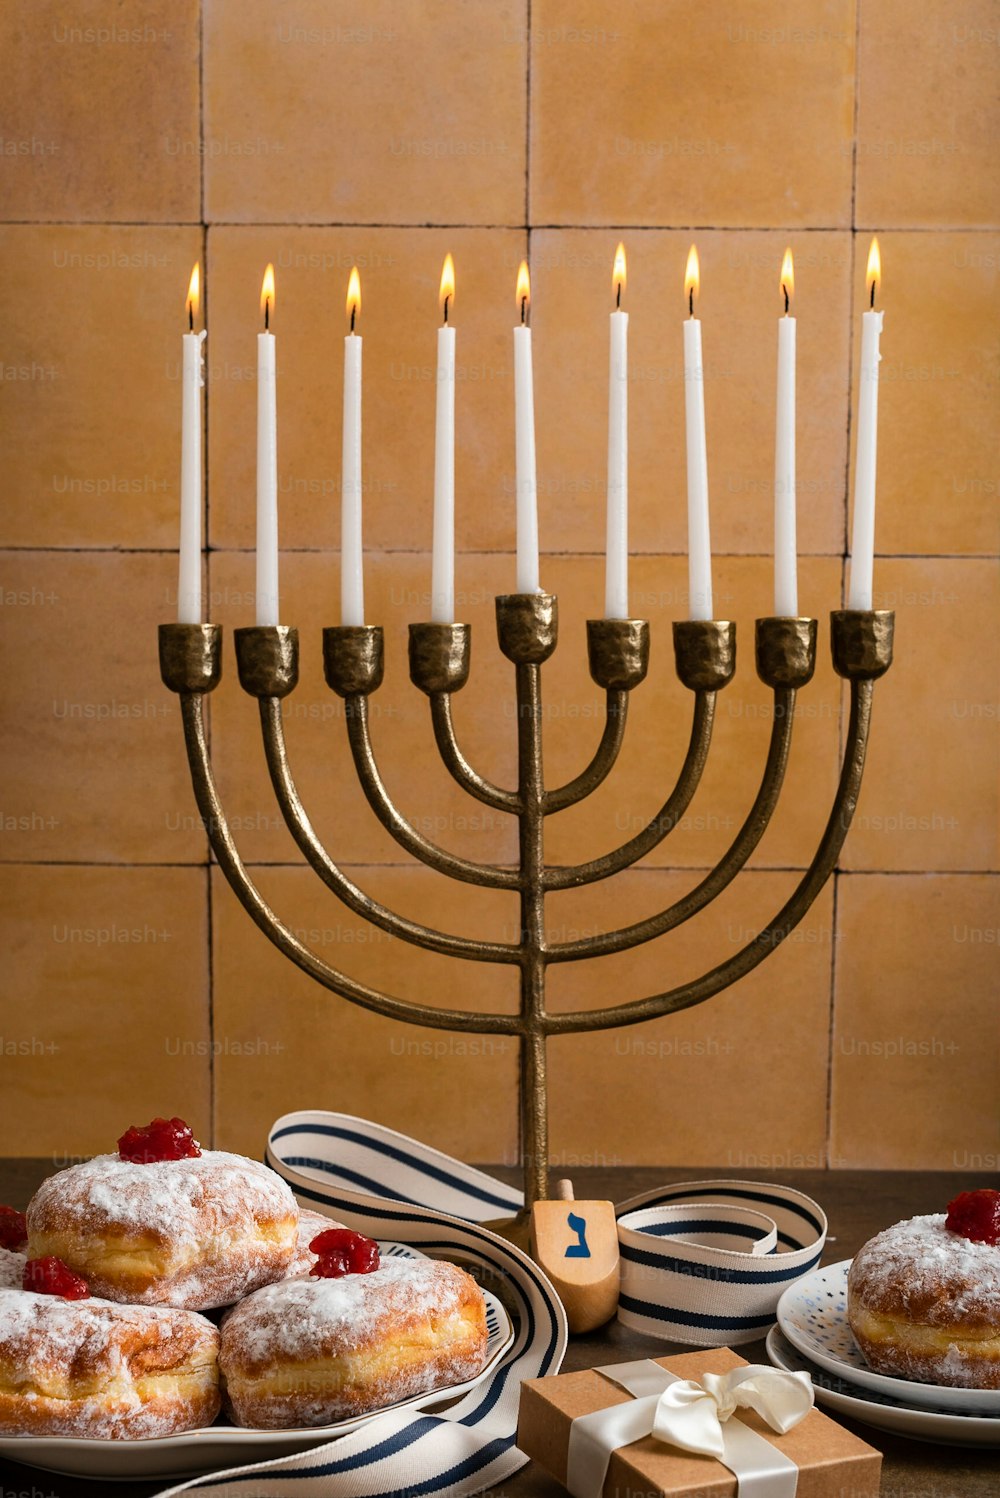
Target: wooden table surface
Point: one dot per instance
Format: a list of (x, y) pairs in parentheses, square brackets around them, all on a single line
[(857, 1203)]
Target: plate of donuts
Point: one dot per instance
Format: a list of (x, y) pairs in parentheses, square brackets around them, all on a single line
[(812, 1314), (220, 1444), (943, 1427)]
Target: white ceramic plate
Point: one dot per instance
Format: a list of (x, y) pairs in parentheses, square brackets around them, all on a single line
[(943, 1427), (217, 1446), (812, 1313)]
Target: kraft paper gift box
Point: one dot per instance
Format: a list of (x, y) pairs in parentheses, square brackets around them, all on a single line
[(832, 1462)]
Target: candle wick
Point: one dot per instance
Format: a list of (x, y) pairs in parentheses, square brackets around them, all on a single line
[(190, 318), (524, 309), (354, 312), (618, 295), (872, 303), (267, 313), (446, 301), (691, 302), (785, 290)]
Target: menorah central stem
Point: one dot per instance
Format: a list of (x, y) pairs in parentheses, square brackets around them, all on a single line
[(527, 629), (533, 1115)]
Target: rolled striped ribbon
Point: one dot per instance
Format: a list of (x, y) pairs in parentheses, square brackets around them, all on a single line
[(706, 1262), (700, 1263)]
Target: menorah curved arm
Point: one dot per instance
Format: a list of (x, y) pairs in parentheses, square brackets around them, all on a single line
[(299, 825), (729, 865), (603, 762), (439, 666), (570, 876), (404, 833), (214, 817), (788, 917), (458, 766)]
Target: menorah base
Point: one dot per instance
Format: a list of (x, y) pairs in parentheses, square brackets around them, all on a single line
[(516, 1230)]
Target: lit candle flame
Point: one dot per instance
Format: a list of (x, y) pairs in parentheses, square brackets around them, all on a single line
[(873, 275), (618, 275), (447, 292), (267, 296), (194, 294), (354, 297), (523, 294), (692, 278), (787, 279)]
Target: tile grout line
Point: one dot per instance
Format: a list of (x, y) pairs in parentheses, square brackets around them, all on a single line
[(483, 551), (527, 123), (347, 863), (201, 111), (851, 299), (206, 520), (594, 228), (831, 1028), (210, 936)]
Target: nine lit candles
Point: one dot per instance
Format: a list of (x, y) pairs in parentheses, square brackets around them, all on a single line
[(189, 596)]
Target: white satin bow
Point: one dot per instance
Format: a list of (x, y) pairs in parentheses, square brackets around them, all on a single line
[(695, 1416), (690, 1413)]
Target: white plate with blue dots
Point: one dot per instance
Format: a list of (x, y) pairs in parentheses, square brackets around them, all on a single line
[(812, 1313)]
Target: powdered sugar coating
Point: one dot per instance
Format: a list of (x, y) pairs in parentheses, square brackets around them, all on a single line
[(195, 1233), (11, 1269), (95, 1368), (921, 1270), (168, 1197)]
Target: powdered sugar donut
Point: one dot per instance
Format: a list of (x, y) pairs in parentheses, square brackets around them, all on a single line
[(311, 1351), (923, 1303), (96, 1369), (194, 1233)]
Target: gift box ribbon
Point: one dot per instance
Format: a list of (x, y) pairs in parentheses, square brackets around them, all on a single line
[(700, 1263), (696, 1415)]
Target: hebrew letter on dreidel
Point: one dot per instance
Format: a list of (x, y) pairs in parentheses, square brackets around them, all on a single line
[(579, 1249)]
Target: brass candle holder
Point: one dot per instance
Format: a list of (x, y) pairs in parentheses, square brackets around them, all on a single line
[(527, 627)]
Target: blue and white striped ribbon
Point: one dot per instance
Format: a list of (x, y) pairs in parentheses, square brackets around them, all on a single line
[(389, 1186), (702, 1262), (706, 1262)]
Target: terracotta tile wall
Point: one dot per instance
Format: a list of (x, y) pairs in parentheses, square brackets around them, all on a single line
[(137, 138)]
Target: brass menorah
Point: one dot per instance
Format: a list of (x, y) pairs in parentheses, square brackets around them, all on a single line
[(527, 627)]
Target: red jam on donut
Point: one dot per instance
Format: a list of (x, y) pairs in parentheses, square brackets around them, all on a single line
[(341, 1251), (50, 1276), (975, 1215), (163, 1139), (13, 1229)]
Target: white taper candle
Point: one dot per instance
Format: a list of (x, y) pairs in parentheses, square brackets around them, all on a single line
[(786, 592), (699, 539), (863, 532), (267, 463), (526, 486), (189, 600), (443, 557), (352, 581), (616, 564)]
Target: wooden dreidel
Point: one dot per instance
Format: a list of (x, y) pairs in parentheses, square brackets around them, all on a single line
[(576, 1243)]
